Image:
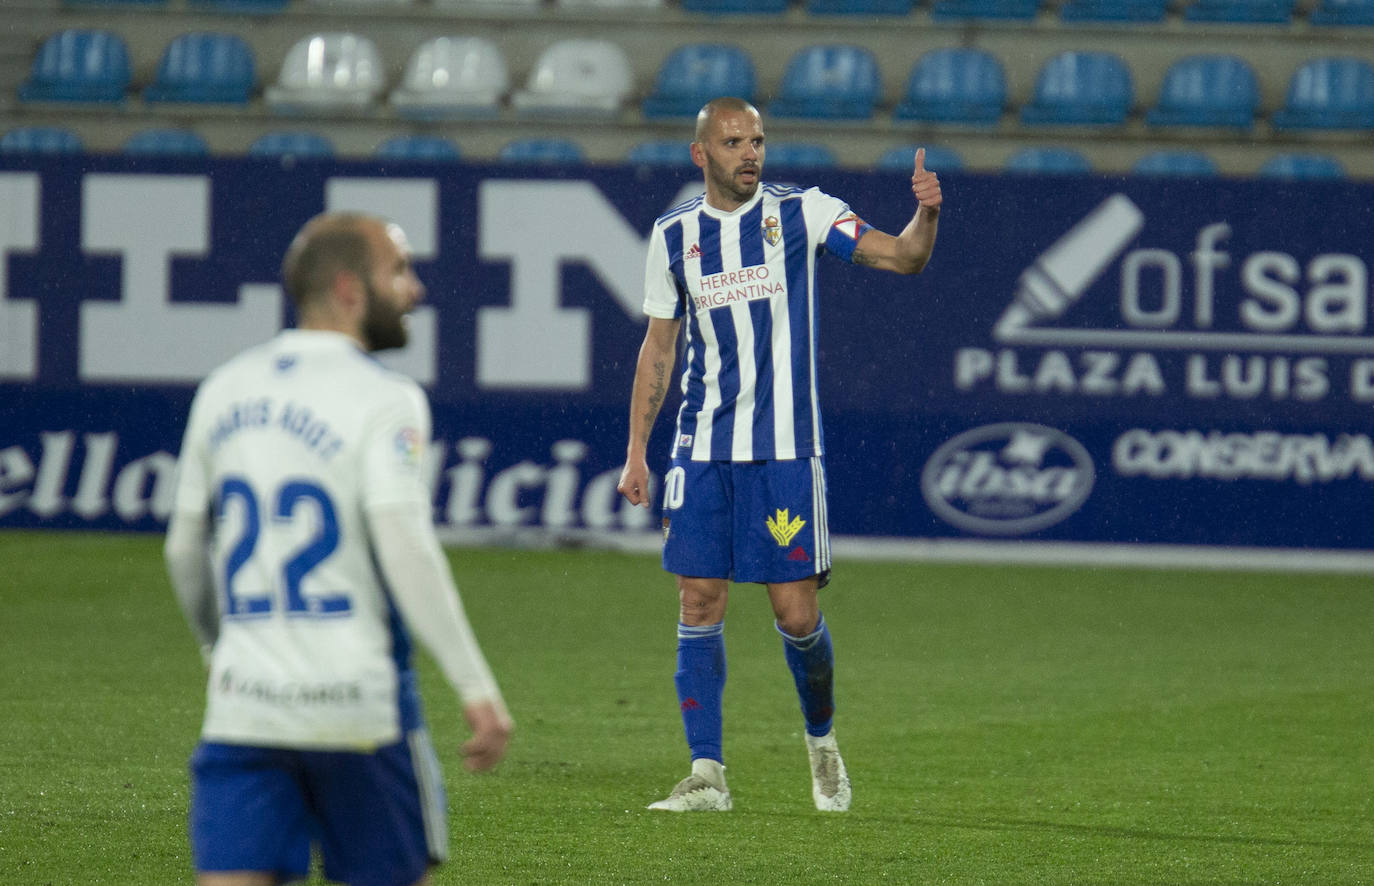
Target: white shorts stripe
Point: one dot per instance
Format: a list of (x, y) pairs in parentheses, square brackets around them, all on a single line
[(819, 512), (432, 801)]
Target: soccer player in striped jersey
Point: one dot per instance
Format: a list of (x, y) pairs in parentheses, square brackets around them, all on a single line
[(744, 495), (303, 555)]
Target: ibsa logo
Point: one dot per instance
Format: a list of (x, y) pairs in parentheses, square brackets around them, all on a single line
[(1008, 478)]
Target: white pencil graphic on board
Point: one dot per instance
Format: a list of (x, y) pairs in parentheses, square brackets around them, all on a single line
[(1065, 271)]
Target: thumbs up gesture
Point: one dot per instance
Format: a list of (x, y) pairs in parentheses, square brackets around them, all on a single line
[(924, 183)]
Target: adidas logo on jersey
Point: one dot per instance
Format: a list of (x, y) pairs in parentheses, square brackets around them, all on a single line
[(694, 252)]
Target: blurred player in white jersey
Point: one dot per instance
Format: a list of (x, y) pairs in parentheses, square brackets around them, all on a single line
[(302, 553), (744, 496)]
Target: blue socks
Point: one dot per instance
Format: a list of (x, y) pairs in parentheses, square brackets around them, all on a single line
[(700, 681), (811, 659)]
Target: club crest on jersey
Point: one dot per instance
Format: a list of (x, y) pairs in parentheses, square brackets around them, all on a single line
[(784, 527), (772, 230), (692, 253)]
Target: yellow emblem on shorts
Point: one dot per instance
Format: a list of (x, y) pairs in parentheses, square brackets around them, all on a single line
[(772, 230), (784, 527)]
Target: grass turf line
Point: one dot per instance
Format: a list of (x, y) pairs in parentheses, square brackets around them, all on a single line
[(1002, 725)]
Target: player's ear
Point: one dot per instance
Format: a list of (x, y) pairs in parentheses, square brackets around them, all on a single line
[(699, 155)]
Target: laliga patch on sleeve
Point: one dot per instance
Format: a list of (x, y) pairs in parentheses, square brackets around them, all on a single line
[(409, 448), (850, 225)]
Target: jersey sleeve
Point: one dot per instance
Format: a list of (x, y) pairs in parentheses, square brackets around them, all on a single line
[(662, 297), (193, 493), (393, 454), (837, 228)]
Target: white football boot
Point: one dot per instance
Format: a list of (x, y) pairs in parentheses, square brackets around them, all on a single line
[(702, 791), (829, 780)]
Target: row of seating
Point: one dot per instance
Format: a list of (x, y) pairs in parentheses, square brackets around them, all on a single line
[(467, 76), (1325, 13), (662, 153)]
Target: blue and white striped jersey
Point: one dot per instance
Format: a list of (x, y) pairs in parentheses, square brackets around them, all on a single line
[(745, 281)]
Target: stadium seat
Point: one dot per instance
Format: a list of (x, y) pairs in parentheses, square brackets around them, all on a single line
[(1014, 10), (293, 145), (954, 86), (799, 155), (449, 77), (166, 142), (829, 82), (667, 152), (1302, 167), (477, 5), (1176, 164), (236, 7), (577, 76), (1048, 161), (328, 72), (1120, 11), (859, 7), (1274, 12), (694, 74), (1332, 92), (544, 151), (1207, 90), (745, 7), (418, 147), (204, 67), (1342, 13), (79, 65), (1081, 89), (611, 5), (903, 159), (40, 140)]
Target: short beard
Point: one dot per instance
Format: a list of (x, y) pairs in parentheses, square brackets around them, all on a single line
[(726, 181), (384, 327)]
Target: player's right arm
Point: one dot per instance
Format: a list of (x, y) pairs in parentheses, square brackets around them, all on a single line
[(657, 355), (186, 549)]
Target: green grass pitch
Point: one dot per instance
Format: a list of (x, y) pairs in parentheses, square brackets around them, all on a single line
[(1001, 724)]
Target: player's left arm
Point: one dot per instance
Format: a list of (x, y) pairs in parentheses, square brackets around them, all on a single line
[(909, 251)]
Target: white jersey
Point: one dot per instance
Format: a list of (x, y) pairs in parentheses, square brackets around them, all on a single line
[(745, 281), (289, 445)]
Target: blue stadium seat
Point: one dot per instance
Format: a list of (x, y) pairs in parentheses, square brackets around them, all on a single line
[(1123, 11), (1332, 92), (40, 140), (1303, 167), (831, 82), (661, 153), (295, 145), (1342, 13), (903, 158), (694, 74), (1015, 10), (745, 7), (547, 151), (954, 86), (1081, 89), (79, 65), (164, 142), (1274, 12), (418, 147), (204, 67), (1176, 164), (1047, 161), (859, 7), (234, 7), (799, 155), (1207, 90)]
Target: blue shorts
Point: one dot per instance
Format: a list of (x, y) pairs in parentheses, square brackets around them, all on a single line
[(379, 819), (762, 521)]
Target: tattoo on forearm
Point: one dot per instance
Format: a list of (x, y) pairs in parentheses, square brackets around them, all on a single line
[(657, 392), (863, 258)]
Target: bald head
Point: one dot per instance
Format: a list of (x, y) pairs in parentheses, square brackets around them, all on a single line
[(326, 245), (710, 111)]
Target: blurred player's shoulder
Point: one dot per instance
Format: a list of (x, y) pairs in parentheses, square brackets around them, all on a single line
[(686, 206)]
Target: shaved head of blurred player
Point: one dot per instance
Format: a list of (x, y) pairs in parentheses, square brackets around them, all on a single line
[(728, 146), (352, 273)]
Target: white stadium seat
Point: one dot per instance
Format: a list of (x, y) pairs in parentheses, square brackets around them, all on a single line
[(453, 77), (326, 72), (577, 77)]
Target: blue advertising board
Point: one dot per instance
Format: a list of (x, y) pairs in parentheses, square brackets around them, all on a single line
[(1085, 360)]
